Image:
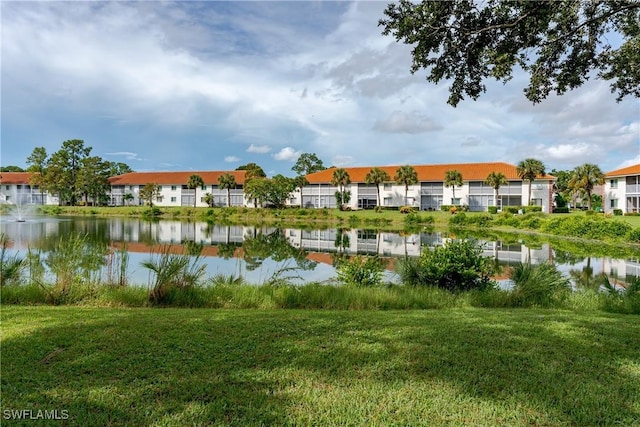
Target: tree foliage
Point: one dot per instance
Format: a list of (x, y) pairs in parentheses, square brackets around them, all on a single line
[(308, 163), (377, 176), (453, 179), (341, 179), (227, 181), (72, 173), (252, 171), (530, 169), (496, 180), (11, 168), (406, 175), (584, 178), (149, 193), (193, 183), (558, 43)]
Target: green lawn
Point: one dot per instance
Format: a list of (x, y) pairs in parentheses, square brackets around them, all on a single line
[(298, 367)]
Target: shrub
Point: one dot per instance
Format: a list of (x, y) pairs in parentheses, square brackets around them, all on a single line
[(407, 209), (617, 212), (634, 235), (534, 208), (152, 212), (457, 266), (445, 208), (563, 209), (360, 271), (493, 210), (538, 285)]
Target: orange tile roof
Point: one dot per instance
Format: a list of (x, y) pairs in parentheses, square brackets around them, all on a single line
[(629, 170), (15, 177), (469, 171), (173, 178)]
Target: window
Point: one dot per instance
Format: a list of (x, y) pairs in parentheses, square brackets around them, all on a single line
[(204, 187), (387, 201), (456, 201), (614, 183), (536, 202), (173, 200), (6, 187), (387, 186), (159, 198), (614, 203), (174, 187), (131, 188)]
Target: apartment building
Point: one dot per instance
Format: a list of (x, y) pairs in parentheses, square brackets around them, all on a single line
[(16, 189), (125, 189), (622, 190), (430, 193)]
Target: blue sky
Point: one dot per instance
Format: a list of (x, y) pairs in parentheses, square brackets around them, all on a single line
[(214, 85)]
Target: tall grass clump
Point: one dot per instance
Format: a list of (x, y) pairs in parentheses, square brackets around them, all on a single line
[(176, 278), (11, 266), (76, 264), (457, 266), (360, 271), (541, 285), (626, 301), (116, 267)]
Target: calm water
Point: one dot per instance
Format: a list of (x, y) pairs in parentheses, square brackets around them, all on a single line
[(257, 253)]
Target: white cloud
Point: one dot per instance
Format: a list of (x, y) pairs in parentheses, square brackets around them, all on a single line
[(288, 154), (231, 159), (630, 162), (126, 154), (261, 149), (412, 123), (339, 160)]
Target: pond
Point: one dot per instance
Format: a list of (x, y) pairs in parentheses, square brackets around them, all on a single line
[(304, 255)]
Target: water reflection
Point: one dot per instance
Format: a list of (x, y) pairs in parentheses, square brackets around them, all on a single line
[(256, 252)]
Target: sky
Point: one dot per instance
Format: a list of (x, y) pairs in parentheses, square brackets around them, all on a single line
[(215, 85)]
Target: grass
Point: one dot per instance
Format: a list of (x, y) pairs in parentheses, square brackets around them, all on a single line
[(165, 367)]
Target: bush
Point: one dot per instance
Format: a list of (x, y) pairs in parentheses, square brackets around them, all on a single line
[(152, 212), (634, 235), (493, 210), (538, 285), (534, 208), (563, 209), (445, 208), (457, 266), (617, 212), (360, 271), (407, 209)]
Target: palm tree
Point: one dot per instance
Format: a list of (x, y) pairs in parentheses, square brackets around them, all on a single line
[(406, 175), (452, 179), (227, 181), (194, 182), (495, 180), (377, 176), (584, 178), (530, 169), (340, 179)]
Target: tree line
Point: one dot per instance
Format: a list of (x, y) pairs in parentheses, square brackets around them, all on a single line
[(72, 173), (75, 176)]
